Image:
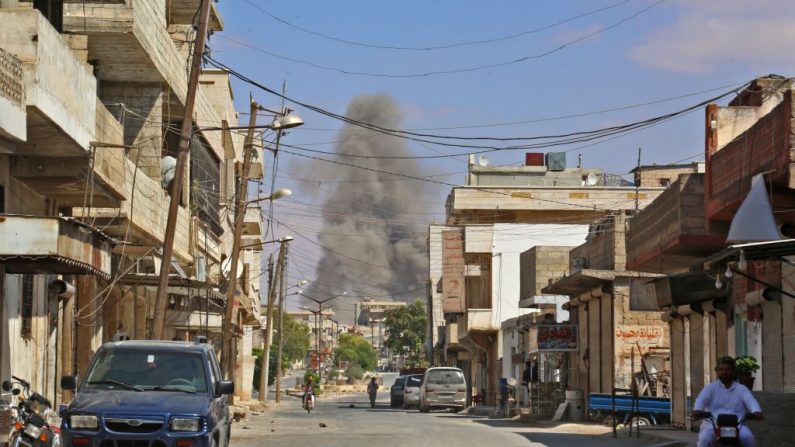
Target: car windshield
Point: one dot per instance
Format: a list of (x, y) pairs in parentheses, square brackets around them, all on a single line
[(446, 377), (414, 381), (143, 370)]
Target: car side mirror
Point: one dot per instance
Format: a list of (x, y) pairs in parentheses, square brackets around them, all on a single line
[(224, 388), (69, 383), (7, 385)]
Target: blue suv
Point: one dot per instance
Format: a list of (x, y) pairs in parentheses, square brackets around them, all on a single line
[(149, 394)]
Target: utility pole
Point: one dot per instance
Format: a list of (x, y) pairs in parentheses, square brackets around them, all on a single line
[(279, 329), (158, 327), (230, 314), (264, 369), (637, 185)]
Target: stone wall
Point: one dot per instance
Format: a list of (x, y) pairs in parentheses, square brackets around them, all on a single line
[(778, 428)]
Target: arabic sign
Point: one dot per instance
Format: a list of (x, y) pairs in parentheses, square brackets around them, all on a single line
[(557, 337), (632, 336)]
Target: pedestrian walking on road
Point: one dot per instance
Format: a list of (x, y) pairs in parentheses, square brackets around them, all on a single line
[(372, 389)]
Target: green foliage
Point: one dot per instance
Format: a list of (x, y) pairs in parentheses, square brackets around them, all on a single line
[(406, 329), (356, 350), (296, 338), (745, 366), (257, 353), (354, 372)]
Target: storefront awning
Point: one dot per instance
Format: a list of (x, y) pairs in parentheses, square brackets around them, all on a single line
[(755, 251), (585, 280), (53, 245)]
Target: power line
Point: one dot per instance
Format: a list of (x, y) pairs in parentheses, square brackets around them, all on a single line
[(449, 71), (440, 46)]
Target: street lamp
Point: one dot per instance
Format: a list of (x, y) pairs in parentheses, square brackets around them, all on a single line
[(278, 194), (259, 244)]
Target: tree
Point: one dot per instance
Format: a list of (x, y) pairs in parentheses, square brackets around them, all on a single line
[(296, 338), (296, 344), (406, 329), (356, 350)]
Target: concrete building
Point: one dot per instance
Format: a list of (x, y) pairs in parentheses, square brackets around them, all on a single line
[(501, 213), (683, 235), (617, 326), (90, 112)]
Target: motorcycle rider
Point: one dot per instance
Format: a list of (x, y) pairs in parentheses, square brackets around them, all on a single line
[(309, 390), (725, 396)]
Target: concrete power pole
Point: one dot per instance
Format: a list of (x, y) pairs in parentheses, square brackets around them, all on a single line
[(279, 329), (230, 314), (264, 369), (158, 326)]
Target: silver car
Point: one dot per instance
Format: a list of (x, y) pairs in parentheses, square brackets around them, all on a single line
[(411, 393), (443, 388)]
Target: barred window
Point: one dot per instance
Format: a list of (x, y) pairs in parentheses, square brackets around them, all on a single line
[(27, 306)]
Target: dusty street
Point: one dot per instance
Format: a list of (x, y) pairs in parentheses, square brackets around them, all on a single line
[(288, 425)]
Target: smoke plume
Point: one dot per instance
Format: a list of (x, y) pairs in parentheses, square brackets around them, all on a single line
[(373, 217)]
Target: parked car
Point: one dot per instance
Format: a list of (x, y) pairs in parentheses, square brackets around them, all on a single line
[(444, 388), (411, 395), (396, 393), (151, 393)]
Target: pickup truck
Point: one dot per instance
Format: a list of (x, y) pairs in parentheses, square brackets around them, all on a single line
[(149, 394), (650, 410)]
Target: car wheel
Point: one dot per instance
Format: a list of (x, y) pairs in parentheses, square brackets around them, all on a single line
[(423, 408), (641, 421)]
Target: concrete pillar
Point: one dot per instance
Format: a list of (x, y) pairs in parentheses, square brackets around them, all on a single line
[(678, 382), (772, 350), (697, 354), (89, 320), (594, 348), (722, 334), (68, 342), (140, 107), (582, 336), (607, 343)]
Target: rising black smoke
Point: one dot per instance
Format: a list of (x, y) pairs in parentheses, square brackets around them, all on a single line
[(370, 216)]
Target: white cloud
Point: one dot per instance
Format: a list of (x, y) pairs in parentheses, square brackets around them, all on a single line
[(707, 34)]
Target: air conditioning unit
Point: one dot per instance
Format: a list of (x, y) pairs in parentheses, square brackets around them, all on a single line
[(556, 161)]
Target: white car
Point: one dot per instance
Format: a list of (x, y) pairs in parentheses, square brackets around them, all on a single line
[(443, 388), (411, 391)]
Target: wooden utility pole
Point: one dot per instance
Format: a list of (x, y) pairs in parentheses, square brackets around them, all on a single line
[(158, 328), (264, 369), (280, 330), (241, 196)]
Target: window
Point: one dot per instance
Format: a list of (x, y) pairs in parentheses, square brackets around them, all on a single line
[(446, 377), (26, 307), (148, 370), (665, 182)]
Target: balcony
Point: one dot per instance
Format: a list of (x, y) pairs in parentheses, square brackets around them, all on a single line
[(672, 233), (764, 146), (477, 320), (252, 229), (141, 220), (451, 335), (60, 90), (493, 204), (67, 179), (12, 98), (183, 12), (54, 245)]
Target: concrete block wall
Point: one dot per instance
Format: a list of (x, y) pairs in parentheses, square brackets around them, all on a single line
[(140, 107), (778, 428), (539, 265)]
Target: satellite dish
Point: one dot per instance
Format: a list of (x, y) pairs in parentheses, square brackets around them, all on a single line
[(227, 264), (483, 161), (591, 180)]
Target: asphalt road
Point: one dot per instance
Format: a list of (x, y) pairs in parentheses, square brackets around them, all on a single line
[(360, 425)]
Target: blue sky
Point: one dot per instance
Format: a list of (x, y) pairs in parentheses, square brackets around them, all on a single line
[(677, 47)]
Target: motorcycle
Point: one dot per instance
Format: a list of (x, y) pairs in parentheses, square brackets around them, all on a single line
[(727, 427), (32, 427), (309, 402)]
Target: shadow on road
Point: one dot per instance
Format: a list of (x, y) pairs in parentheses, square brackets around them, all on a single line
[(606, 439)]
